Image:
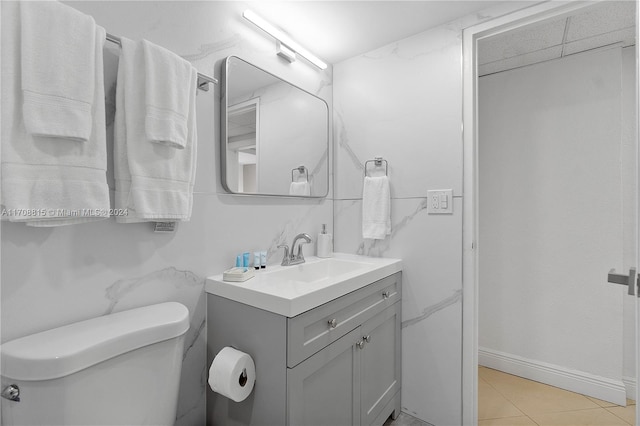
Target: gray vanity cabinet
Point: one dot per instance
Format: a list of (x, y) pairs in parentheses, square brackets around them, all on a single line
[(325, 388), (336, 364), (380, 365), (351, 381)]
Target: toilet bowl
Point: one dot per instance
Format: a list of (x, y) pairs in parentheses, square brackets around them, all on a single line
[(118, 369)]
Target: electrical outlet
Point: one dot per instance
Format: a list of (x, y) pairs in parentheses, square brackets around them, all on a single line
[(440, 201), (435, 200)]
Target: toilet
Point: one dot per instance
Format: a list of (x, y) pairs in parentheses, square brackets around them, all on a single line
[(118, 369)]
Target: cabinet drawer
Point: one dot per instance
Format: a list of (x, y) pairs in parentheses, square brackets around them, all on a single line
[(313, 330)]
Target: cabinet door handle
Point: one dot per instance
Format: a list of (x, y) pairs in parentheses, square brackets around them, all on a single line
[(360, 344), (385, 295), (367, 338), (333, 323)]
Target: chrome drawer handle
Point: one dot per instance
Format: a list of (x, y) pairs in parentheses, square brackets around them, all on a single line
[(333, 323), (385, 295), (367, 338), (360, 344)]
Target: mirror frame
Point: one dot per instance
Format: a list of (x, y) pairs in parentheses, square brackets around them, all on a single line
[(224, 116)]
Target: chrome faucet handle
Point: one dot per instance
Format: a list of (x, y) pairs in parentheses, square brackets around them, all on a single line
[(286, 259), (289, 257)]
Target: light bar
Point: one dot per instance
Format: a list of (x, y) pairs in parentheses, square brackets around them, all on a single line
[(283, 38)]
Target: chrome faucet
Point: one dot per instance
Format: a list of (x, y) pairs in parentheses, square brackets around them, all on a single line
[(291, 258)]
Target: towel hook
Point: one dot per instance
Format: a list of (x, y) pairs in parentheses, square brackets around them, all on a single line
[(377, 161), (301, 170)]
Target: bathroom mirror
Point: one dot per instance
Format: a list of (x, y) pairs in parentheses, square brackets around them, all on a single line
[(275, 136)]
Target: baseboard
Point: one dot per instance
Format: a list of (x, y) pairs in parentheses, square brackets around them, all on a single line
[(630, 386), (573, 380)]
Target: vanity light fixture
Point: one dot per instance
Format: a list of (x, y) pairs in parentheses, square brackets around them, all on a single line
[(285, 52), (287, 48)]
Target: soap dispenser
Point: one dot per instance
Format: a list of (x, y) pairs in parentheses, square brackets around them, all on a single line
[(325, 243)]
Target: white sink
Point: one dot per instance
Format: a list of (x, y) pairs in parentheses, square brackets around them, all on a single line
[(292, 290), (316, 270)]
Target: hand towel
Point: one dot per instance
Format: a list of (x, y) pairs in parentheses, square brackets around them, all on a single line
[(168, 93), (46, 183), (376, 208), (58, 60), (300, 188), (154, 182)]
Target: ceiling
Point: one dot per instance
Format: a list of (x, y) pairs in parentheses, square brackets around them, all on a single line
[(605, 24), (338, 30)]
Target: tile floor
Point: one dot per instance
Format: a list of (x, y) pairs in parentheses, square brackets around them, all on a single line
[(507, 400)]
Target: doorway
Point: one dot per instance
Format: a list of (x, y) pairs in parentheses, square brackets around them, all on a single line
[(530, 258)]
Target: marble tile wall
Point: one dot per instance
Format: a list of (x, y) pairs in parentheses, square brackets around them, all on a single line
[(403, 102), (73, 273)]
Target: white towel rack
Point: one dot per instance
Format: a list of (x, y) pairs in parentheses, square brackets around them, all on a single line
[(203, 80)]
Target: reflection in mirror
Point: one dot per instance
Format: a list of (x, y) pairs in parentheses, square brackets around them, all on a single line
[(275, 136), (242, 145)]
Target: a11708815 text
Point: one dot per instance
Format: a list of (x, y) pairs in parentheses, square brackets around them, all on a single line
[(48, 212)]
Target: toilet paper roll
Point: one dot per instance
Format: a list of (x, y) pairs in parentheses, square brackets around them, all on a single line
[(232, 374)]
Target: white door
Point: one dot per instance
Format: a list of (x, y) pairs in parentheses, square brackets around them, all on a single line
[(632, 279)]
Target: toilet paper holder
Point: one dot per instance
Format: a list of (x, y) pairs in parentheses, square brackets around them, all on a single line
[(242, 380), (232, 374)]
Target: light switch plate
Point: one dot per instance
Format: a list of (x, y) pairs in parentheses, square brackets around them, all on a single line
[(440, 201)]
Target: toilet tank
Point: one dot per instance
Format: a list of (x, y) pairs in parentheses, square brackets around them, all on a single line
[(118, 369)]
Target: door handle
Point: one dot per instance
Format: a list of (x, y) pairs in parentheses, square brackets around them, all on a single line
[(630, 280)]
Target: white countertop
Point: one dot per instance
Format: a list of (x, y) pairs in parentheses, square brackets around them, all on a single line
[(292, 290)]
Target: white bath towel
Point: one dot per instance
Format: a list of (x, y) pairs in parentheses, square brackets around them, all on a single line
[(58, 45), (46, 183), (154, 182), (376, 208), (168, 92), (300, 188)]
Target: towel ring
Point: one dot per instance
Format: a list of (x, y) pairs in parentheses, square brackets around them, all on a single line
[(377, 162), (301, 170)]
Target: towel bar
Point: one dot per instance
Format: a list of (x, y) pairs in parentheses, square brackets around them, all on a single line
[(203, 80)]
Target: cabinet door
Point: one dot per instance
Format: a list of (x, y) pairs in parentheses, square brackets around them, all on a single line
[(380, 362), (324, 390)]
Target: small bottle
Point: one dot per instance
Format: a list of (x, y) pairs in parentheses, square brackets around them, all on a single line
[(325, 243), (256, 260), (263, 259)]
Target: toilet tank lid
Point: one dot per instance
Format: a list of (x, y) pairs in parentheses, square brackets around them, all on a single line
[(65, 350)]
